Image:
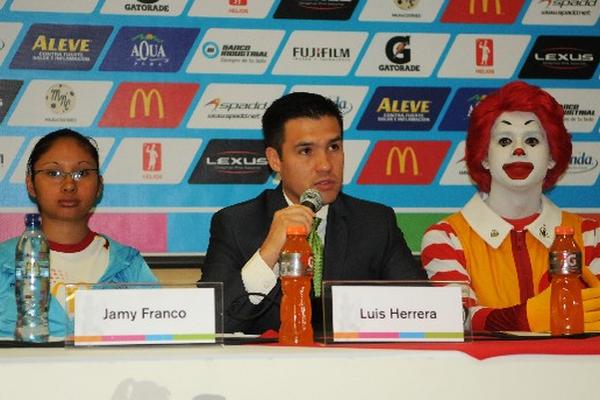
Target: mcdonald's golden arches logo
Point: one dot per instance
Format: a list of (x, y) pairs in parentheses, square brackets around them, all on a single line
[(485, 6), (410, 162), (147, 102), (149, 105), (400, 155), (482, 11)]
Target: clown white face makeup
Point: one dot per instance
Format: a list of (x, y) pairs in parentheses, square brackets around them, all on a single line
[(518, 154)]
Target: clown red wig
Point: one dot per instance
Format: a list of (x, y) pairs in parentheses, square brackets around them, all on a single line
[(516, 96)]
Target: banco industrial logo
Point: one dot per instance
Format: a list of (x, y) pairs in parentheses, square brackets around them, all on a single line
[(61, 47), (404, 162), (150, 105), (577, 112), (482, 11), (400, 108), (232, 161), (316, 9), (235, 52), (562, 57), (149, 49)]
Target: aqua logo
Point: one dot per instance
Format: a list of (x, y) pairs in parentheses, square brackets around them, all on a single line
[(148, 49)]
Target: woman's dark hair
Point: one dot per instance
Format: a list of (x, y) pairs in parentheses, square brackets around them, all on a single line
[(295, 105), (44, 144)]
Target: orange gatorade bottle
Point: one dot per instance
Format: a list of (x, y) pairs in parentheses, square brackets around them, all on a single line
[(566, 306), (296, 275)]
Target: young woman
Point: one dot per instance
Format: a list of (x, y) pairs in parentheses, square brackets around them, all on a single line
[(64, 180), (517, 146)]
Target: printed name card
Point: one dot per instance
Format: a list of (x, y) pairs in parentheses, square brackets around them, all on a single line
[(397, 314), (144, 316)]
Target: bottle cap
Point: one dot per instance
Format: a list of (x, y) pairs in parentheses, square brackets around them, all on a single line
[(296, 230), (564, 230), (32, 219)]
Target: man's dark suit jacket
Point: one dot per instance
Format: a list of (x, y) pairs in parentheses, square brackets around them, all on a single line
[(362, 242)]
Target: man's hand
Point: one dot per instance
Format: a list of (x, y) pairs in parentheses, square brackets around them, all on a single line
[(293, 215)]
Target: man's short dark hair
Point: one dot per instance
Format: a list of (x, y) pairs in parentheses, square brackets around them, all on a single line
[(295, 105)]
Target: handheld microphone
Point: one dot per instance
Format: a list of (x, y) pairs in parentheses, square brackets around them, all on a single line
[(312, 199)]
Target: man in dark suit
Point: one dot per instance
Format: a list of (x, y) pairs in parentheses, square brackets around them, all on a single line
[(303, 139)]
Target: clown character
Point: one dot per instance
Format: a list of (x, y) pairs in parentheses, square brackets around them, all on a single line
[(517, 146)]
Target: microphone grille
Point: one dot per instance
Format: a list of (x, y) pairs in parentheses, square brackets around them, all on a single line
[(312, 198)]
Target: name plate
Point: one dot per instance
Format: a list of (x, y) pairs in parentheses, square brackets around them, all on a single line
[(144, 316), (397, 314)]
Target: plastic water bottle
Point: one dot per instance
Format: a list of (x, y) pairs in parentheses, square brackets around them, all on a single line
[(566, 306), (32, 282), (296, 275)]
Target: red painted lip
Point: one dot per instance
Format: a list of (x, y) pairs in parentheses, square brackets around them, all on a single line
[(518, 170)]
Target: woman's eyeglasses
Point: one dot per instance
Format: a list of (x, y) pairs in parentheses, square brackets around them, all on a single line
[(57, 175)]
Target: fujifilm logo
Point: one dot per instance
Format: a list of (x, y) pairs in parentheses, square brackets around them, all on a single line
[(320, 52)]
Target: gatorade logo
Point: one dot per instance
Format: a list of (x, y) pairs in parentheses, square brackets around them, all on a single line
[(571, 259)]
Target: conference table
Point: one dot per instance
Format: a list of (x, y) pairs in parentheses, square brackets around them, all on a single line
[(488, 367)]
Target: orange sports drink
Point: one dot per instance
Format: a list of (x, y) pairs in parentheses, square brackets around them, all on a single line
[(566, 306), (296, 276)]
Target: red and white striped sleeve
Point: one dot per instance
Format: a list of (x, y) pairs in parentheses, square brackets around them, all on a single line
[(443, 258)]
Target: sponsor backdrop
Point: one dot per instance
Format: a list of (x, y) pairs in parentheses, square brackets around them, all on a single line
[(173, 91)]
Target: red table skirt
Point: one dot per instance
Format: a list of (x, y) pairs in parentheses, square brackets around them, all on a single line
[(487, 346)]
